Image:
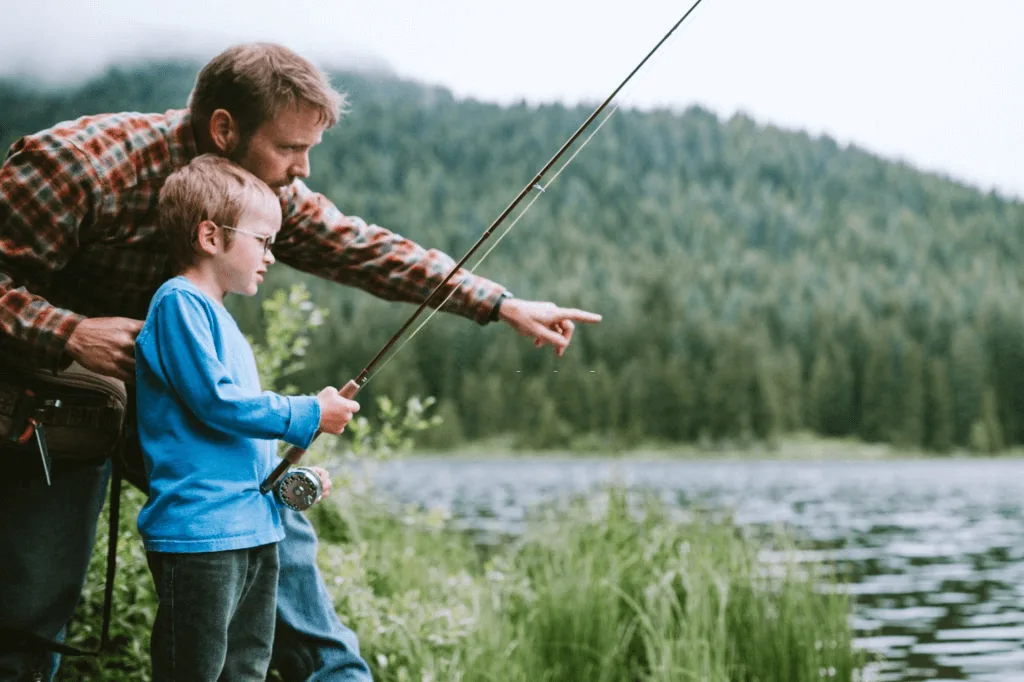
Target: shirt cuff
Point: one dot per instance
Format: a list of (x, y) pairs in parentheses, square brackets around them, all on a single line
[(49, 347), (303, 421), (481, 298)]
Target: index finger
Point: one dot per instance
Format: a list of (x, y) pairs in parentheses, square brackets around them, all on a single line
[(578, 315)]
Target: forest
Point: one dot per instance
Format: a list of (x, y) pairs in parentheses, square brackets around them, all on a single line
[(754, 281)]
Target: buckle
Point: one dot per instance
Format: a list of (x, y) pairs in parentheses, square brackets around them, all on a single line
[(27, 424), (29, 414)]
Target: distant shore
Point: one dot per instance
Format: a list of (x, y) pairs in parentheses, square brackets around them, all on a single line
[(797, 447)]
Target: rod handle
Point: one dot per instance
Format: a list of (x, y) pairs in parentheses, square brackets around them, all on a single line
[(294, 453)]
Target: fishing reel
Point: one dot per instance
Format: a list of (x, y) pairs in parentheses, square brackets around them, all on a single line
[(299, 488)]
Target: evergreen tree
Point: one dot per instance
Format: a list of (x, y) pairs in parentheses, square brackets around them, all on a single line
[(939, 415), (967, 381), (830, 395)]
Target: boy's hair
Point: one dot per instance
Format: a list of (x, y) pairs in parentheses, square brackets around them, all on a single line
[(255, 81), (212, 188)]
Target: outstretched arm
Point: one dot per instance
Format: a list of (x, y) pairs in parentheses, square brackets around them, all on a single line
[(318, 238)]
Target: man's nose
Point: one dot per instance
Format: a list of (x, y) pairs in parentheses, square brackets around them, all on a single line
[(300, 168)]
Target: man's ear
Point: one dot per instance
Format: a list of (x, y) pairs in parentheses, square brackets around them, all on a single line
[(224, 131), (208, 238)]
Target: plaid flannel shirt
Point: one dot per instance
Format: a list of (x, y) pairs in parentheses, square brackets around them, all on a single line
[(79, 236)]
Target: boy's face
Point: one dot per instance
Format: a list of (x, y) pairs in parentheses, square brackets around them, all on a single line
[(241, 265)]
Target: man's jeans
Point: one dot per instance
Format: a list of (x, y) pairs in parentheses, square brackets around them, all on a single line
[(46, 537), (310, 643), (216, 615)]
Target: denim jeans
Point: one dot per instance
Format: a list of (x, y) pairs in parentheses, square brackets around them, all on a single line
[(310, 644), (215, 620), (46, 537)]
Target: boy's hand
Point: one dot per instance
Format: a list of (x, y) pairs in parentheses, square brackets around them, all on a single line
[(325, 481), (335, 410)]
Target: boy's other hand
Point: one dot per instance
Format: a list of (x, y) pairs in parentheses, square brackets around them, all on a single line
[(325, 481), (335, 410)]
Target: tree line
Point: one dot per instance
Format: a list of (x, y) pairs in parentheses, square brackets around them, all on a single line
[(754, 281)]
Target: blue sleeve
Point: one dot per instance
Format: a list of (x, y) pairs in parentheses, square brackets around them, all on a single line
[(186, 353)]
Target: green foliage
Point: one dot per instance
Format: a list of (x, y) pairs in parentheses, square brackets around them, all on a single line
[(290, 316), (830, 392), (605, 588), (715, 248), (134, 600), (939, 414)]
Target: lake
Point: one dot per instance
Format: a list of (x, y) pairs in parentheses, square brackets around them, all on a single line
[(932, 550)]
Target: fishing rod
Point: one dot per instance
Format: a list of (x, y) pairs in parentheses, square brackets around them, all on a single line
[(306, 486)]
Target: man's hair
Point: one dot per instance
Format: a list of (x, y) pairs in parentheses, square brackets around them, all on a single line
[(210, 188), (253, 82)]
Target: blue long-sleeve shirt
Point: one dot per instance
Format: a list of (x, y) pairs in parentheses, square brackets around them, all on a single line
[(208, 432)]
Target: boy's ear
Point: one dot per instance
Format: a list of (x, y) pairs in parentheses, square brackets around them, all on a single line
[(208, 238)]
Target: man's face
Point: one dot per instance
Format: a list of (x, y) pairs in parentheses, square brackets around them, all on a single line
[(278, 152)]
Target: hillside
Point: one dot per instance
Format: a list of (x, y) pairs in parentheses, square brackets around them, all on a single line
[(754, 281)]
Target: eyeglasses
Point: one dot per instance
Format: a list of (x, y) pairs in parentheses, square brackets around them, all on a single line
[(267, 239)]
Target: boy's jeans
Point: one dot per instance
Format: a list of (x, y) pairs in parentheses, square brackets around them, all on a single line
[(46, 537), (216, 615)]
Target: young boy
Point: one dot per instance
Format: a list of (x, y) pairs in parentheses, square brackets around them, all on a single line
[(208, 432)]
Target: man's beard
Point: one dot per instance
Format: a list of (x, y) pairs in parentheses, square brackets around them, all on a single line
[(241, 151), (238, 154)]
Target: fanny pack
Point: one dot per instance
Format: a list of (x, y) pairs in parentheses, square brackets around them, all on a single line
[(72, 414)]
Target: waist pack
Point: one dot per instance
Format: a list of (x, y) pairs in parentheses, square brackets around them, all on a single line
[(73, 414)]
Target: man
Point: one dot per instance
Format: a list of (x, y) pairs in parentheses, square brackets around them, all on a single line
[(80, 258)]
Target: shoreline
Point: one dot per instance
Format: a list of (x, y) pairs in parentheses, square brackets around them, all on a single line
[(794, 448)]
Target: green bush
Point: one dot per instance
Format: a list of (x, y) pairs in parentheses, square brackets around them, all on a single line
[(127, 657)]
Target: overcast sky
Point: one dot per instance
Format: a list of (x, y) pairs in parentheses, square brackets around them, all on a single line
[(937, 83)]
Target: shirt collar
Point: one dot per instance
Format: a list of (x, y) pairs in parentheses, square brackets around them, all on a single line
[(182, 138)]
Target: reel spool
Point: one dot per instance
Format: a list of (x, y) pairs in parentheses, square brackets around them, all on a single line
[(299, 488)]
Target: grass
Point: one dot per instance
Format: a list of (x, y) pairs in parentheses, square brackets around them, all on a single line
[(608, 588)]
